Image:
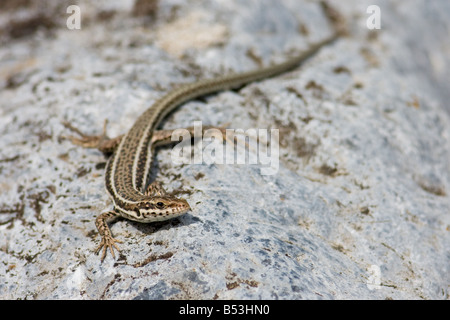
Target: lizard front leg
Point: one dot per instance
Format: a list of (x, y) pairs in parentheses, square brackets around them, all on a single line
[(107, 239)]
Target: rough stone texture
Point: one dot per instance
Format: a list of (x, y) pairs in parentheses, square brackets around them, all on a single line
[(359, 207)]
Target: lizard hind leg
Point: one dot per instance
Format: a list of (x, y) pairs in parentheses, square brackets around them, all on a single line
[(100, 142)]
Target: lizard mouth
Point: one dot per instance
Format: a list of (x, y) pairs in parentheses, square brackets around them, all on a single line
[(184, 207)]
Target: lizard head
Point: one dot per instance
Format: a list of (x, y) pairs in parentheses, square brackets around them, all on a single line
[(162, 208)]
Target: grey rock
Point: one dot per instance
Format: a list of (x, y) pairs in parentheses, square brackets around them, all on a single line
[(359, 206)]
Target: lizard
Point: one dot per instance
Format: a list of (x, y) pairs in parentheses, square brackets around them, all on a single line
[(127, 169)]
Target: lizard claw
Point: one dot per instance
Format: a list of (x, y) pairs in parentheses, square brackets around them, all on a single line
[(108, 242), (86, 141)]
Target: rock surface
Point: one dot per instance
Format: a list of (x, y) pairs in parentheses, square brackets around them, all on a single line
[(359, 206)]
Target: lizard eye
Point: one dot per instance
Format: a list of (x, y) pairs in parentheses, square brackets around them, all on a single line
[(160, 204)]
